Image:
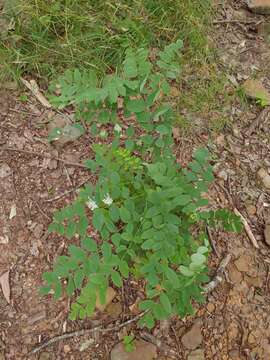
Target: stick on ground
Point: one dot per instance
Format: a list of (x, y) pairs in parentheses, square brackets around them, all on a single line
[(68, 191), (82, 332), (218, 278), (247, 228)]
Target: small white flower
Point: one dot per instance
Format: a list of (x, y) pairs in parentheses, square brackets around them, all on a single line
[(117, 128), (92, 205), (107, 200)]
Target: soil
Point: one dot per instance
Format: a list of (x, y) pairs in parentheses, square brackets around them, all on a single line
[(234, 323)]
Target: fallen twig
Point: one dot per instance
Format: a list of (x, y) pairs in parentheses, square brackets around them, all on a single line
[(70, 163), (85, 332), (247, 228), (218, 278), (33, 87), (165, 349), (211, 240), (68, 191)]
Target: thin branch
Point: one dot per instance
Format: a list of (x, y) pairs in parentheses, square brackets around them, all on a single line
[(212, 241), (218, 278), (68, 191), (247, 229), (70, 163), (85, 332)]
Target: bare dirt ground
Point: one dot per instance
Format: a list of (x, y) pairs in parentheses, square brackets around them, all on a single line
[(235, 322)]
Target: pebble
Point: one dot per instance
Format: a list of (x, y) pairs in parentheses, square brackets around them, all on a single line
[(143, 351), (67, 132), (193, 338)]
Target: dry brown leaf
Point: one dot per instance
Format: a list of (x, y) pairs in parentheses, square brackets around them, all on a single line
[(4, 282)]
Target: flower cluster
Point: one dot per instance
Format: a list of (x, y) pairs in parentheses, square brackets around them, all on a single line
[(92, 205)]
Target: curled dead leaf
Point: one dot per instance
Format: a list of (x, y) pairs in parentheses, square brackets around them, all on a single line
[(4, 282)]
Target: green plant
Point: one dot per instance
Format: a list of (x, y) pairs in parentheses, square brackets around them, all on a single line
[(142, 88), (128, 342), (145, 215), (149, 215)]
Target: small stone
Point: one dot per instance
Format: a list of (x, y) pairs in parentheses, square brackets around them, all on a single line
[(254, 89), (143, 350), (243, 263), (265, 178), (5, 171), (259, 6), (267, 234), (67, 349), (61, 131), (210, 307), (110, 295), (196, 355), (193, 338)]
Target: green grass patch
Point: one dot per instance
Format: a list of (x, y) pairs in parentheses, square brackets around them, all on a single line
[(206, 92), (46, 37)]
